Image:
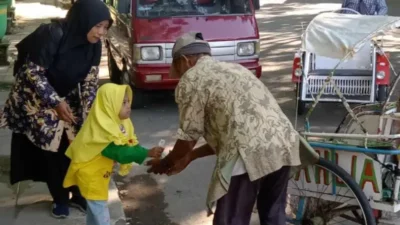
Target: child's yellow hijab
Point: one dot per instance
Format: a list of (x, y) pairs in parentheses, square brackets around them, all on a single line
[(102, 125)]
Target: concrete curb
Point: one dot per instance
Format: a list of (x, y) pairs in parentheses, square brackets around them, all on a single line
[(117, 214)]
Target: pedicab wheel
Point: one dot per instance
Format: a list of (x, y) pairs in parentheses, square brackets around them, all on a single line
[(314, 207), (382, 93), (113, 70), (256, 4)]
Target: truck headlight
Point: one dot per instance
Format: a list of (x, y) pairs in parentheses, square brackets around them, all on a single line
[(246, 48), (150, 53)]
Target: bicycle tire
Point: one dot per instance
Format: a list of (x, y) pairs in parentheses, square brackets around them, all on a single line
[(354, 187)]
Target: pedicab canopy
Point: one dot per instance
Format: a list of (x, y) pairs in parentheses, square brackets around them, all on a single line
[(338, 35)]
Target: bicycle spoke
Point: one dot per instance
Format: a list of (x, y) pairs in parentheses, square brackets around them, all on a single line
[(322, 207)]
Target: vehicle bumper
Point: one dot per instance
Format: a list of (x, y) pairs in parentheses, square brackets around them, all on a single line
[(156, 77)]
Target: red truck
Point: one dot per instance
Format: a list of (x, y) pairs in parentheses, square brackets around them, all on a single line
[(140, 42)]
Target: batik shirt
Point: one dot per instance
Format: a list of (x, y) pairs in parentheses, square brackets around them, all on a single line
[(30, 106), (238, 117)]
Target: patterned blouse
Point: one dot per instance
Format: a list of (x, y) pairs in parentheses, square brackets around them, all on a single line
[(30, 107)]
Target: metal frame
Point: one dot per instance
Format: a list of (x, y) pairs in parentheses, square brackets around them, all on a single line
[(387, 115), (386, 206), (309, 62)]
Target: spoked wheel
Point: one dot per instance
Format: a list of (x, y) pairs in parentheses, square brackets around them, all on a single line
[(331, 197)]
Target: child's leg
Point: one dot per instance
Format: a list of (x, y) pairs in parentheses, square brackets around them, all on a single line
[(97, 213)]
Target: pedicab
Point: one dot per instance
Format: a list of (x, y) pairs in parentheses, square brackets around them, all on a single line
[(363, 78), (352, 175)]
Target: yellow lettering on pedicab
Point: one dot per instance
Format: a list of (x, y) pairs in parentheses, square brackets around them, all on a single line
[(318, 170), (368, 175), (306, 175)]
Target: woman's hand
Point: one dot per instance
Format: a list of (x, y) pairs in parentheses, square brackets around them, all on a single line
[(64, 112), (156, 152)]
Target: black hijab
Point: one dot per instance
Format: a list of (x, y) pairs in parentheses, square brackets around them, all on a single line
[(62, 48)]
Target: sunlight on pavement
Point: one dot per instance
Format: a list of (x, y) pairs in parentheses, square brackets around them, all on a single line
[(299, 9), (198, 217), (270, 66), (38, 11), (265, 2), (113, 197), (313, 9)]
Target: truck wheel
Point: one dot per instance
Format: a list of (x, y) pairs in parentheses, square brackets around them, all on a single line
[(301, 105), (382, 93), (301, 108), (113, 69), (139, 97), (256, 4)]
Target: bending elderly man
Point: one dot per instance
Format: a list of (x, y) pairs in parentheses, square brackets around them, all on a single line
[(254, 141)]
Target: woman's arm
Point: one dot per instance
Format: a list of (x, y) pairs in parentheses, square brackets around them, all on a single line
[(125, 154), (36, 76), (89, 89)]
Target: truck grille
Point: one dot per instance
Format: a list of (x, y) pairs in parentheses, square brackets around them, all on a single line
[(349, 86), (222, 51)]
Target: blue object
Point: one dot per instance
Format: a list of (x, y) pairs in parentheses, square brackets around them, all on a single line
[(60, 211), (354, 148)]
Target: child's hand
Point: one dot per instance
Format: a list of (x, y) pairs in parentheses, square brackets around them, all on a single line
[(156, 152)]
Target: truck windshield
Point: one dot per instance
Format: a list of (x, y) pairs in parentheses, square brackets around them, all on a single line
[(167, 8)]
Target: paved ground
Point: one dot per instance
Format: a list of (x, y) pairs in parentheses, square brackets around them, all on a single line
[(180, 200), (34, 202)]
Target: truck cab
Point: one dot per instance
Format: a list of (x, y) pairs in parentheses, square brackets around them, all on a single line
[(140, 41)]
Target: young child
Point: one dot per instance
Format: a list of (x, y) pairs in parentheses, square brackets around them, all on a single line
[(106, 136)]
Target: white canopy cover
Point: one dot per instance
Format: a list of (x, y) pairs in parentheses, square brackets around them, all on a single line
[(336, 35)]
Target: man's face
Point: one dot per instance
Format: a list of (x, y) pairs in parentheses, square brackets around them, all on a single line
[(183, 64)]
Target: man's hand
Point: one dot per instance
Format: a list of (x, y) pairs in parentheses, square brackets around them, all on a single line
[(180, 165), (158, 166), (156, 152), (161, 166), (64, 112)]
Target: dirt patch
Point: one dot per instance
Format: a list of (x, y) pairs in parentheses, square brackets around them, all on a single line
[(143, 201)]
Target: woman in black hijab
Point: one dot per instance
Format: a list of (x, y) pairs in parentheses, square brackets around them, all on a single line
[(56, 76)]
